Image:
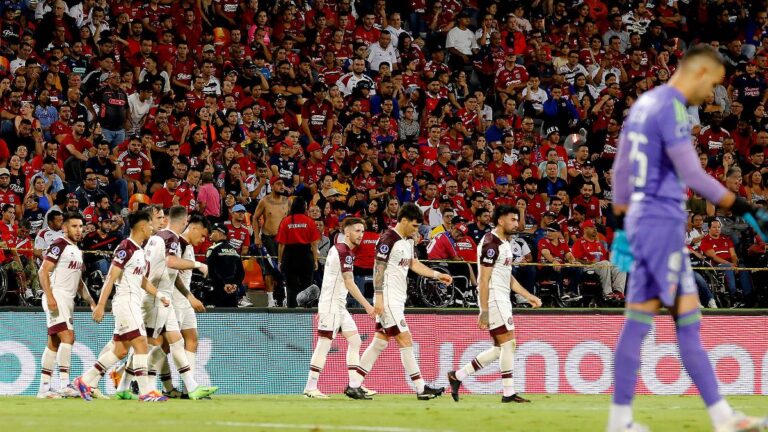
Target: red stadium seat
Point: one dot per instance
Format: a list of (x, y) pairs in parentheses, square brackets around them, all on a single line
[(253, 278)]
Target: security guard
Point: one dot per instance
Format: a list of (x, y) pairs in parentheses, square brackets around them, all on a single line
[(225, 269)]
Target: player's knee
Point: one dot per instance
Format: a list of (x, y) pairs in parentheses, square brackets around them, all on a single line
[(379, 344), (508, 346), (354, 340), (67, 337), (404, 340), (120, 350)]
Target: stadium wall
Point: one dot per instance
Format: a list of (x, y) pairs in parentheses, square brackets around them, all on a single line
[(268, 352)]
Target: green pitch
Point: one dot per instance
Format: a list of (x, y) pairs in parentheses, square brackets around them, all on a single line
[(385, 414)]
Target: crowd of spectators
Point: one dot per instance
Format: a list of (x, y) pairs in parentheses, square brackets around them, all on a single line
[(359, 106)]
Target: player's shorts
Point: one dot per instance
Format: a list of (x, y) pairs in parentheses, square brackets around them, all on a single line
[(61, 319), (500, 317), (329, 324), (159, 319), (186, 318), (662, 267), (392, 321), (129, 322)]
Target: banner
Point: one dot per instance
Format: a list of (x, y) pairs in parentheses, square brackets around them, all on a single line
[(268, 353)]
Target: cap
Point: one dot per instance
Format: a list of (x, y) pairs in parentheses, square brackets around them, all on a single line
[(462, 228), (208, 48), (71, 196), (332, 192), (458, 219), (4, 171), (279, 96), (274, 180), (220, 227), (319, 86), (587, 224), (238, 208), (478, 163), (463, 14), (502, 180), (364, 84), (553, 227), (104, 216), (550, 214), (588, 163), (552, 129), (313, 147), (525, 149)]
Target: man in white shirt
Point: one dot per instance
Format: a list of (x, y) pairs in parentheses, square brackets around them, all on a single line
[(139, 104), (461, 43), (383, 52)]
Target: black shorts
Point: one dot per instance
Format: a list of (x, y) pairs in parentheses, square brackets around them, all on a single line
[(266, 263)]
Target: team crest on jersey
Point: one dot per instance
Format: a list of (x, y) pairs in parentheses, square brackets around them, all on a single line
[(383, 248), (510, 321), (348, 260), (402, 323), (491, 253), (120, 256), (54, 252)]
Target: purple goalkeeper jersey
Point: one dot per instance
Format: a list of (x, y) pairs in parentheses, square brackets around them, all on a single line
[(656, 159)]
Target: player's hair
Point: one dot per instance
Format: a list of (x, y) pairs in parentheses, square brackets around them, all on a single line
[(154, 208), (177, 213), (72, 215), (197, 218), (411, 212), (503, 210), (702, 51), (347, 222), (52, 215), (138, 216)]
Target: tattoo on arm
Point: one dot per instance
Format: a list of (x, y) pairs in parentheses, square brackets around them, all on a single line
[(378, 276)]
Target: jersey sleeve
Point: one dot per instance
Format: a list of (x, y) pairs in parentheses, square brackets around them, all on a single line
[(54, 252), (123, 253), (385, 245), (346, 259), (489, 254)]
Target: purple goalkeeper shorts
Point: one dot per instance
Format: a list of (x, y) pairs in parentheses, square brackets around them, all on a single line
[(662, 267)]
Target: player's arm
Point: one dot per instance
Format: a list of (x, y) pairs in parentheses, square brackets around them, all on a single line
[(197, 305), (255, 221), (483, 289), (349, 283), (44, 275), (114, 274), (82, 290), (519, 289), (177, 263), (425, 271), (150, 289), (378, 285)]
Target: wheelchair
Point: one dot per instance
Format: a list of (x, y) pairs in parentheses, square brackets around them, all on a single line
[(715, 280), (13, 287), (435, 294)]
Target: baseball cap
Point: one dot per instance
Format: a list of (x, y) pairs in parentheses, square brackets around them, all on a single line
[(553, 227), (458, 219), (220, 227), (332, 192), (462, 228), (209, 48), (588, 163), (71, 196), (104, 216), (463, 14), (478, 163), (279, 96), (525, 150), (319, 86), (502, 180), (314, 147), (238, 208), (274, 180), (4, 171), (552, 129), (587, 224), (550, 214)]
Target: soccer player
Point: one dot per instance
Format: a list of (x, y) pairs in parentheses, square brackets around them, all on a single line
[(163, 253), (61, 279), (495, 287), (333, 316), (394, 257), (655, 162), (128, 276)]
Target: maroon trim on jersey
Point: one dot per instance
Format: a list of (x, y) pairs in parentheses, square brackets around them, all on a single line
[(171, 241), (131, 335), (389, 331), (57, 328), (500, 330), (346, 257), (490, 252), (386, 243), (53, 254), (328, 334), (123, 253)]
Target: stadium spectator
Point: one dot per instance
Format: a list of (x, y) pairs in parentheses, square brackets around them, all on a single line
[(297, 255), (591, 251), (720, 250), (225, 269)]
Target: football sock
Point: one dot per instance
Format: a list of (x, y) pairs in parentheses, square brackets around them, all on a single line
[(64, 359), (140, 370), (507, 365), (353, 356), (108, 347), (368, 358), (165, 373), (482, 360), (129, 375), (94, 374), (191, 357), (412, 368), (697, 364), (317, 363), (626, 363), (182, 364), (270, 297), (47, 363)]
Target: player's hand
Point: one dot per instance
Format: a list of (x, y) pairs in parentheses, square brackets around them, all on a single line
[(757, 218), (621, 254), (482, 320), (204, 269), (534, 301), (53, 307), (98, 313), (370, 310), (164, 300), (197, 305), (444, 278), (378, 310)]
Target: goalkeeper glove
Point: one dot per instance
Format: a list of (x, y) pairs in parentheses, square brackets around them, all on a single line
[(755, 216), (621, 253)]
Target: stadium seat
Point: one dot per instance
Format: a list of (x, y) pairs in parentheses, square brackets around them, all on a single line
[(253, 278)]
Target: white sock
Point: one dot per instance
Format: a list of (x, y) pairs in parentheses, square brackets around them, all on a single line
[(107, 348), (128, 375), (47, 363), (270, 297), (317, 362), (482, 360), (368, 359), (412, 367), (507, 364), (720, 412), (353, 356), (140, 370), (191, 357), (182, 364), (64, 359), (94, 374), (620, 417)]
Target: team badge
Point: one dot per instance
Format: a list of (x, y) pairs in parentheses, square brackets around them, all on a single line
[(510, 321), (120, 256), (491, 253), (55, 251), (348, 259), (402, 323), (383, 248)]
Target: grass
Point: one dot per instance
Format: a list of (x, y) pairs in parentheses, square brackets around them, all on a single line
[(388, 413)]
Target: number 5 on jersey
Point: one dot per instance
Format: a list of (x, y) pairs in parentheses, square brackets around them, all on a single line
[(638, 158)]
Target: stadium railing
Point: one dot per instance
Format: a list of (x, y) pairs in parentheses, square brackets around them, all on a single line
[(267, 351)]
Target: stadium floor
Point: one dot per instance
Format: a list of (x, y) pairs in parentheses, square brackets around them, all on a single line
[(389, 413)]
